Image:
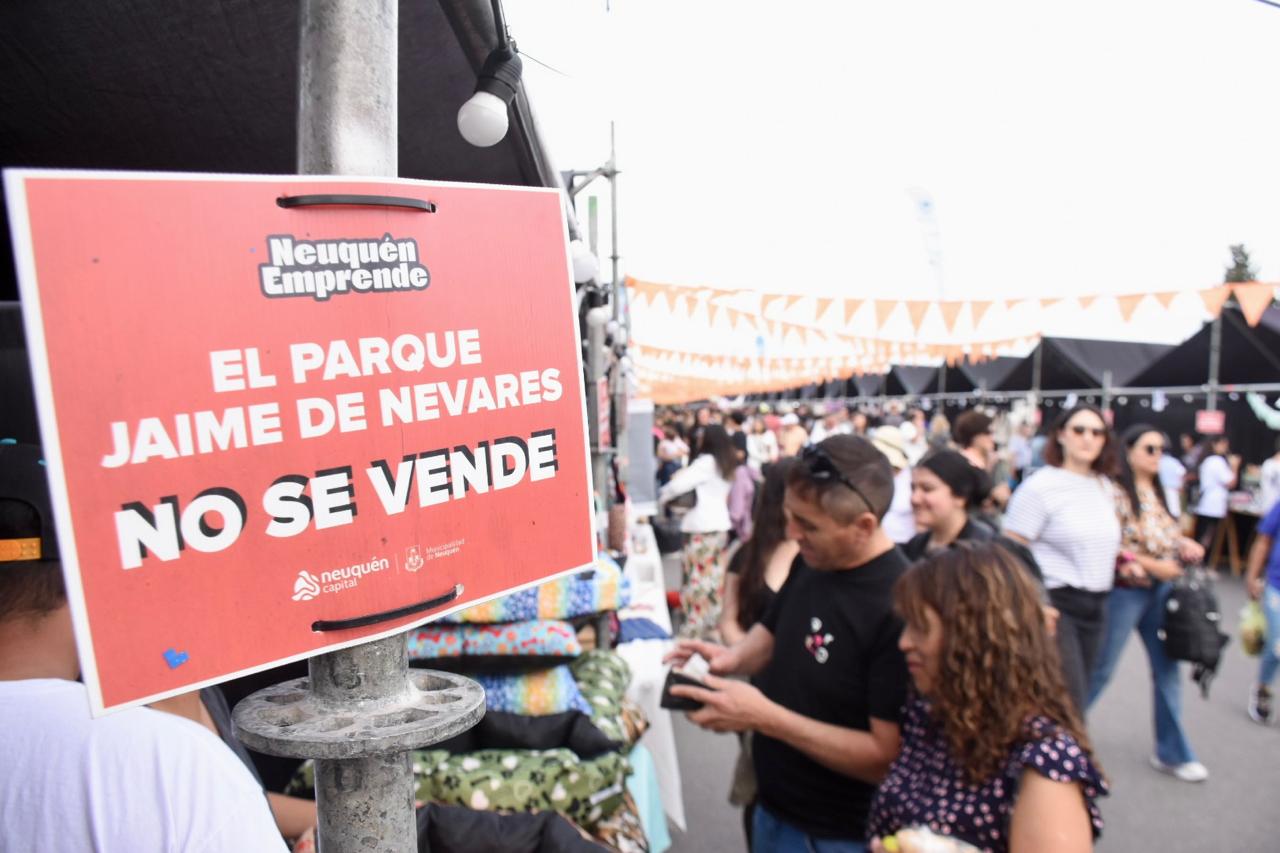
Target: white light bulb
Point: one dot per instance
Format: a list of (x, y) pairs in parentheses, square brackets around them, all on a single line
[(585, 265), (482, 120)]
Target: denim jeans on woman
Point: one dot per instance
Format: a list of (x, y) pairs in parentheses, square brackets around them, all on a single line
[(1142, 609), (1271, 652)]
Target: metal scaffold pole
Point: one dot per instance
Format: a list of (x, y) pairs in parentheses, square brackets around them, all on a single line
[(360, 711)]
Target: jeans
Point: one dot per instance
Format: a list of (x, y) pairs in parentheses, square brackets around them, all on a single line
[(1271, 653), (770, 834), (1142, 609), (1080, 627)]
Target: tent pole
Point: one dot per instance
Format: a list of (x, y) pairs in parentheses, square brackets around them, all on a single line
[(1215, 362)]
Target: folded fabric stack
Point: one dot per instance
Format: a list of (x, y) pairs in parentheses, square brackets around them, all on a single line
[(557, 729)]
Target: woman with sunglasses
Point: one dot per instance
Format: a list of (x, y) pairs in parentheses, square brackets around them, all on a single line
[(1153, 550), (1065, 513), (993, 752), (705, 529)]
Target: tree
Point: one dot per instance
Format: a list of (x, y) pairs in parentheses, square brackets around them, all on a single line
[(1241, 268)]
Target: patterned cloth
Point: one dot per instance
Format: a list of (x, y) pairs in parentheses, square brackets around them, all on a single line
[(703, 584), (927, 787), (623, 831), (602, 588), (1153, 532), (548, 691), (535, 638)]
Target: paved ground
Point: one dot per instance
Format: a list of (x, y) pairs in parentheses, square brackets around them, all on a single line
[(1235, 811)]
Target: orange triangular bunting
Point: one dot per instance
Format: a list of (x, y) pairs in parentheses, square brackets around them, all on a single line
[(916, 309), (950, 311), (822, 305), (978, 309), (1050, 302), (1086, 301), (1165, 298), (791, 300), (712, 311), (1128, 304), (884, 307), (851, 307), (1214, 298), (766, 302), (1254, 298)]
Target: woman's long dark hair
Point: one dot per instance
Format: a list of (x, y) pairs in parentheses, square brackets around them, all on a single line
[(1126, 478), (769, 530), (716, 441)]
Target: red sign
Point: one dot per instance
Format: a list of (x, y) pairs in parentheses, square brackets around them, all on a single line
[(259, 418), (1211, 422)]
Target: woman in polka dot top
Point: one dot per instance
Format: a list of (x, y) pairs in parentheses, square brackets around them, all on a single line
[(993, 751)]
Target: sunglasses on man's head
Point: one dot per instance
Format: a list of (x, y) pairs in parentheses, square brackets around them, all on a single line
[(1096, 432), (822, 468)]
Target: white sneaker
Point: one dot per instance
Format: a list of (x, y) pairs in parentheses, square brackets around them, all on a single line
[(1192, 771)]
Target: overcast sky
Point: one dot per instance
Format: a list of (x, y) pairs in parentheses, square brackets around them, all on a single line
[(1071, 148)]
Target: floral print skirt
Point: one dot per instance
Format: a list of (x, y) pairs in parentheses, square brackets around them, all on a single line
[(703, 584)]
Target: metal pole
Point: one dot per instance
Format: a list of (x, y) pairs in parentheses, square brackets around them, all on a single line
[(1106, 390), (359, 713), (618, 407), (1215, 362), (597, 318)]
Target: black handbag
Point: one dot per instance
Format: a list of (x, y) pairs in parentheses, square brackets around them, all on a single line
[(1192, 629), (686, 501)]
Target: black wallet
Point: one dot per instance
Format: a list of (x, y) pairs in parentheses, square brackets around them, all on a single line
[(679, 703)]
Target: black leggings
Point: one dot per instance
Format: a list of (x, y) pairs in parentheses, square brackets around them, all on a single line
[(1206, 531)]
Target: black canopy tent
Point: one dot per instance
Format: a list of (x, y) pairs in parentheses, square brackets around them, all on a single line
[(1248, 355), (904, 379), (1073, 364), (187, 85)]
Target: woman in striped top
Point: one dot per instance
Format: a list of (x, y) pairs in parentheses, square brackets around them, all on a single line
[(1065, 513)]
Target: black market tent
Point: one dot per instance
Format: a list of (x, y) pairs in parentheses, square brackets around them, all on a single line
[(982, 375), (865, 385), (1069, 364), (1248, 355), (190, 85), (905, 379)]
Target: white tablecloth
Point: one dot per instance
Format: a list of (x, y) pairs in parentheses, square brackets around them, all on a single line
[(649, 601)]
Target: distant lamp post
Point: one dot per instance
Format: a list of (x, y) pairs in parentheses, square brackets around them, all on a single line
[(482, 120)]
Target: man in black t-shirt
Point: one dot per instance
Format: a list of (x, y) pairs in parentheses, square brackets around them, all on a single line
[(831, 681)]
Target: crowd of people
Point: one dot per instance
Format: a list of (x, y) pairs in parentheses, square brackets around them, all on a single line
[(910, 631)]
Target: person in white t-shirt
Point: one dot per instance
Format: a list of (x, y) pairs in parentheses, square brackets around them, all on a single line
[(1065, 513), (1217, 476), (1172, 475), (134, 780), (1269, 482)]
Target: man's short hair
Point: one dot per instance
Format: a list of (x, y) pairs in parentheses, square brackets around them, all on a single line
[(30, 573), (857, 460), (969, 426)]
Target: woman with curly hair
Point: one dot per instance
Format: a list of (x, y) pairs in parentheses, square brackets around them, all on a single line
[(993, 750)]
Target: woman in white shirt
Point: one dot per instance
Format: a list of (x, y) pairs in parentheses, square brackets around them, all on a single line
[(1065, 512), (705, 529), (1217, 478)]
